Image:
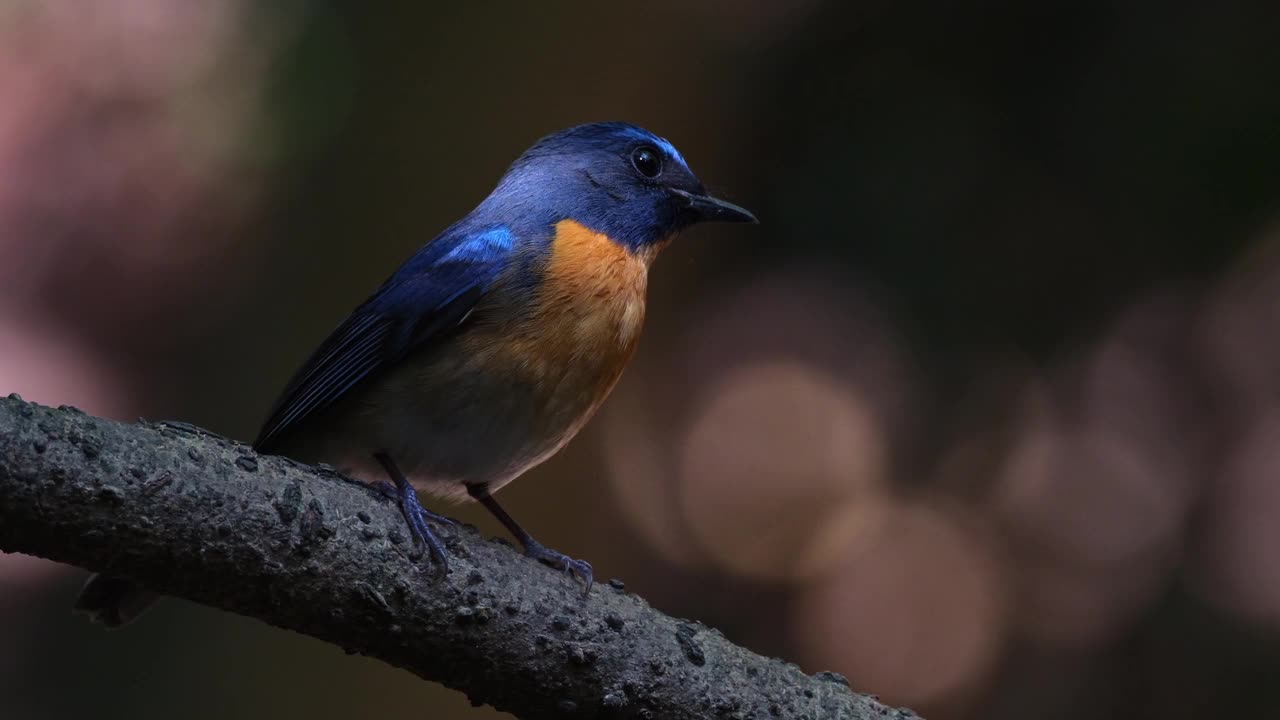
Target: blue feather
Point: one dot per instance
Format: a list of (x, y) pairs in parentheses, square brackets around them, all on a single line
[(431, 294)]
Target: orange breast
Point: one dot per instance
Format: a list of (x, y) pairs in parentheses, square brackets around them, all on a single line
[(593, 293), (578, 334)]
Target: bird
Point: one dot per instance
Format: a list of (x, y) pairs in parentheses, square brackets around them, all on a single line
[(493, 345)]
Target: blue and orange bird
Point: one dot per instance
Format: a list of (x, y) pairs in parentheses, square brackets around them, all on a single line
[(490, 348)]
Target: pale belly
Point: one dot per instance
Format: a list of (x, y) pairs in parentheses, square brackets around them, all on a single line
[(483, 407), (465, 419)]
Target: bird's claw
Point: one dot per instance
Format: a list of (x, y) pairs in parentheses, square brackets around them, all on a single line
[(572, 567), (417, 516), (389, 491)]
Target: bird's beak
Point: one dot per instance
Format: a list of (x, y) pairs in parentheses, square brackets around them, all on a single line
[(704, 208)]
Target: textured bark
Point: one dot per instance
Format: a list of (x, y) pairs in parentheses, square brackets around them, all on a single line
[(198, 516)]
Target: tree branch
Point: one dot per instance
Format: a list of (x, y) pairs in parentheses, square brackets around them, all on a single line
[(198, 516)]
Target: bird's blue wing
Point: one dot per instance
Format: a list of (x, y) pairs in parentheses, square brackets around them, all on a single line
[(431, 294)]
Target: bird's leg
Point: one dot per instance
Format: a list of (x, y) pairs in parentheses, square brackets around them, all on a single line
[(532, 548), (414, 514), (391, 492)]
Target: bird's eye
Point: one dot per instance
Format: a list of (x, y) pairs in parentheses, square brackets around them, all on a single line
[(647, 161)]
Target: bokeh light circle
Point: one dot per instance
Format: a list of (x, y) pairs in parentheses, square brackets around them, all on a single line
[(777, 453), (916, 611)]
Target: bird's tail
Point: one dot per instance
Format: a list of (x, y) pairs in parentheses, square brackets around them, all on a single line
[(113, 601)]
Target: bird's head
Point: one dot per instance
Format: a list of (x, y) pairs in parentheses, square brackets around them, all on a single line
[(614, 178)]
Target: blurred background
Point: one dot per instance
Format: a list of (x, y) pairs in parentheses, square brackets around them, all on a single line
[(985, 414)]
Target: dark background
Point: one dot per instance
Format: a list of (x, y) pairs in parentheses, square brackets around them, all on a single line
[(984, 415)]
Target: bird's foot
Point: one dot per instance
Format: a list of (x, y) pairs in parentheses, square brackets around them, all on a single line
[(389, 490), (532, 548), (417, 516), (558, 560)]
